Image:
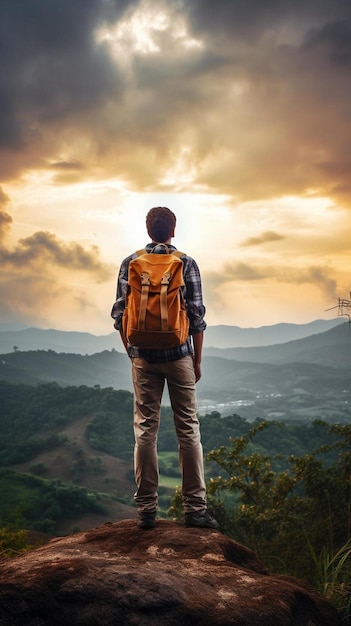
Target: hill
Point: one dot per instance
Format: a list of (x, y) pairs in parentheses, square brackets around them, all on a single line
[(66, 453), (331, 348), (58, 466), (215, 336), (234, 336), (108, 369), (302, 379)]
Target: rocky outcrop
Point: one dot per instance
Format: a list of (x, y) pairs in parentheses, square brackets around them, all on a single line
[(118, 574)]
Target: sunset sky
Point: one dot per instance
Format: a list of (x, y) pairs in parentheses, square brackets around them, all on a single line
[(236, 114)]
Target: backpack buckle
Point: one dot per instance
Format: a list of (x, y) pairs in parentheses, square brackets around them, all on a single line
[(166, 278), (145, 278)]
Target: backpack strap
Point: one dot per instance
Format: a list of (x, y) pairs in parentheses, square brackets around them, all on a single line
[(145, 285), (163, 301), (178, 253)]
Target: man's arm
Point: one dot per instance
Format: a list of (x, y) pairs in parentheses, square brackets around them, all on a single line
[(195, 309), (197, 343), (120, 303)]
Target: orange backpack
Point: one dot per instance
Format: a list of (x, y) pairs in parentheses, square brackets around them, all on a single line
[(155, 315)]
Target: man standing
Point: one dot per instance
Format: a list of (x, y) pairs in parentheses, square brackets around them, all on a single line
[(180, 367)]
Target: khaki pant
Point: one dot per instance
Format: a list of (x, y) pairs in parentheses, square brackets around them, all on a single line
[(149, 380)]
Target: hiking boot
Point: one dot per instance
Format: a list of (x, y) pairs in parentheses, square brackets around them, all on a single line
[(146, 520), (200, 519)]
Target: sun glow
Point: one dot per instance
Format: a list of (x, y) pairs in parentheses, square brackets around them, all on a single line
[(137, 33), (142, 30)]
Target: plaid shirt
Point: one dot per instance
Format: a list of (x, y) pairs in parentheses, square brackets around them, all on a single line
[(192, 292)]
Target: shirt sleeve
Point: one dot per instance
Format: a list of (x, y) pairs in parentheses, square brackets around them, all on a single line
[(193, 296), (122, 289)]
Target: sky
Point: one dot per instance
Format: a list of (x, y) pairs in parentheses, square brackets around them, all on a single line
[(235, 114)]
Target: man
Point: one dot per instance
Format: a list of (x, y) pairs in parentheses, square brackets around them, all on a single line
[(181, 368)]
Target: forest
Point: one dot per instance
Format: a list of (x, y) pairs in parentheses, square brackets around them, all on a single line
[(283, 489)]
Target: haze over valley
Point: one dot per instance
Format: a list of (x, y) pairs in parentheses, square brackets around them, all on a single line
[(300, 379)]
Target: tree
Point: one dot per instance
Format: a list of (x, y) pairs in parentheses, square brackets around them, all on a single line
[(296, 518)]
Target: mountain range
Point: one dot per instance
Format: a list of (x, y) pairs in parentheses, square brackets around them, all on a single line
[(305, 378), (215, 336)]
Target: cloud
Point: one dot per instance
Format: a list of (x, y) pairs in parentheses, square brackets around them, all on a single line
[(246, 99), (44, 278), (265, 237), (67, 165), (4, 198), (258, 111), (5, 223), (5, 218), (53, 74), (47, 300), (43, 275), (45, 248), (316, 276)]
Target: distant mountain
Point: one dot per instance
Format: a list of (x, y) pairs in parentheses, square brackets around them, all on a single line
[(215, 336), (303, 379), (236, 337), (331, 348), (58, 340), (107, 368)]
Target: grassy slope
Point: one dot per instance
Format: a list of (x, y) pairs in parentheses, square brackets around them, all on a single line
[(113, 480)]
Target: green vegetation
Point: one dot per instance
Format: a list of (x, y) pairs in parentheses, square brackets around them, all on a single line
[(283, 489), (13, 542), (38, 504), (296, 518), (33, 418)]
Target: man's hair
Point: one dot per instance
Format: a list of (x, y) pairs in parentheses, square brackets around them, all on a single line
[(160, 223)]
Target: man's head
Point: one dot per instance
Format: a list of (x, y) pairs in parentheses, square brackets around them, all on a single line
[(160, 224)]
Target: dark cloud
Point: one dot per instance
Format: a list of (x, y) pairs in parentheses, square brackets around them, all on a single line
[(255, 21), (51, 67), (317, 276), (5, 218), (232, 273), (4, 198), (333, 42), (45, 250), (5, 223), (261, 103), (42, 276), (265, 237), (67, 165), (67, 172)]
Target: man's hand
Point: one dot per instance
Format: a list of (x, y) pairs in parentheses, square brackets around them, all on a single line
[(197, 370), (197, 343)]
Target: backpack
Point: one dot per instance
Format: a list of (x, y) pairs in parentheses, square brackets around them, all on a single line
[(155, 315)]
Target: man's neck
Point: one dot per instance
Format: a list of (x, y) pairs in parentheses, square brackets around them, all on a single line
[(168, 242)]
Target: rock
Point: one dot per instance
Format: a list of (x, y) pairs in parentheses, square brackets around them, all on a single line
[(117, 574)]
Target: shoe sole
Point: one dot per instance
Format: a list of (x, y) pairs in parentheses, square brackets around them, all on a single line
[(195, 525)]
